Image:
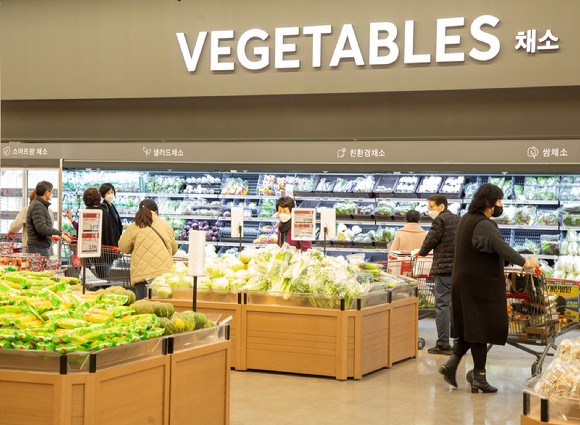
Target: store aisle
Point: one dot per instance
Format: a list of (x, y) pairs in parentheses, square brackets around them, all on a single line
[(412, 392)]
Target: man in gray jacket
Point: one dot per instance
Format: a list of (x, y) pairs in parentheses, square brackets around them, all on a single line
[(39, 224), (441, 239)]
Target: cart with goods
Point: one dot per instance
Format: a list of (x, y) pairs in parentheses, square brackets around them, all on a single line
[(533, 314), (111, 268), (303, 312), (421, 269), (80, 352)]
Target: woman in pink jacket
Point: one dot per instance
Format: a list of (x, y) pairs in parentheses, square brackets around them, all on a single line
[(411, 236)]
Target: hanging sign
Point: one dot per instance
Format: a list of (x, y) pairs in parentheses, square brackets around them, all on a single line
[(89, 233), (304, 224)]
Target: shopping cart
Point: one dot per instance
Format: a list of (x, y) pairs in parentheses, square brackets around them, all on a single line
[(421, 267), (111, 268), (533, 315)]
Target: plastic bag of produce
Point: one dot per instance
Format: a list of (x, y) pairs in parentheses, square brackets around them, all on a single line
[(526, 215), (365, 184), (470, 189), (550, 244)]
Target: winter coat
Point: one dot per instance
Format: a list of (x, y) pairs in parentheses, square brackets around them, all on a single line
[(441, 240), (39, 224), (409, 238), (478, 290), (19, 223), (150, 256), (116, 224), (306, 245)]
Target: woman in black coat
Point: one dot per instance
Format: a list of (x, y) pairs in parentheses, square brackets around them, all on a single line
[(108, 193), (478, 289)]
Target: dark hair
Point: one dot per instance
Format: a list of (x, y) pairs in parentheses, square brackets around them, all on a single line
[(43, 187), (105, 188), (486, 196), (285, 202), (412, 216), (144, 217), (91, 197), (32, 195), (438, 199)]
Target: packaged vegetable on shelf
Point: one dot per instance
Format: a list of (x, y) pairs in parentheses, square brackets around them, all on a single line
[(344, 208), (526, 215), (324, 185), (470, 189), (403, 208), (344, 185), (364, 184), (235, 186), (528, 247), (570, 219), (430, 184), (452, 185), (407, 184), (546, 269), (304, 183), (508, 215), (550, 244), (570, 192), (547, 218), (385, 208)]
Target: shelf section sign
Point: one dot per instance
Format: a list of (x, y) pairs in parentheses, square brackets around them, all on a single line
[(90, 229), (304, 224)]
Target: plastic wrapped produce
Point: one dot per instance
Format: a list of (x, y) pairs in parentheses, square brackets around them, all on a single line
[(365, 184), (547, 218), (404, 207), (548, 180), (304, 184), (550, 244), (526, 215), (531, 181), (546, 269), (324, 185), (571, 219), (430, 184), (470, 189), (508, 215), (385, 208), (344, 208), (235, 186), (452, 184), (407, 184), (344, 185)]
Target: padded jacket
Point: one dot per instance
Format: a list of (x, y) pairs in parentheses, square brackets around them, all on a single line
[(150, 256), (441, 239), (39, 224)]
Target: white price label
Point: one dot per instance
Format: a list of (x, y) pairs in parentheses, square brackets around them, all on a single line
[(304, 224), (90, 230)]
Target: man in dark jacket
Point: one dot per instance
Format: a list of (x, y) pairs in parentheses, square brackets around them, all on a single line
[(38, 223), (441, 239)]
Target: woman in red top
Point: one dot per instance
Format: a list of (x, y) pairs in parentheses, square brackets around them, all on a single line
[(284, 206)]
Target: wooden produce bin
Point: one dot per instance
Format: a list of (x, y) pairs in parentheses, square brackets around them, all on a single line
[(296, 338), (224, 304), (556, 410), (135, 384)]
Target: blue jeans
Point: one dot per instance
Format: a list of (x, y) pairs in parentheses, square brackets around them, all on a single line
[(442, 295), (44, 252)]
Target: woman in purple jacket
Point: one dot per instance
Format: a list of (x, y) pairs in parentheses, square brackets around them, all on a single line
[(285, 205)]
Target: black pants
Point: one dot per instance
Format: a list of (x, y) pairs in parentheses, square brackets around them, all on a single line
[(140, 290), (478, 352)]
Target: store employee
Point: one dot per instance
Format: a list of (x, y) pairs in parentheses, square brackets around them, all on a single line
[(284, 207)]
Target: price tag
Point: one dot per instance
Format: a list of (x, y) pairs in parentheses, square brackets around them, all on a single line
[(90, 230), (359, 222), (304, 224)]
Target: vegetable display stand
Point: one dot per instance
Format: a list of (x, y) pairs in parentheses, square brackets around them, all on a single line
[(317, 335), (556, 411), (224, 303), (141, 382)]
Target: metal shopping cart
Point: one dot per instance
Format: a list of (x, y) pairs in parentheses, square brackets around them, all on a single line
[(421, 267), (111, 268), (533, 315)]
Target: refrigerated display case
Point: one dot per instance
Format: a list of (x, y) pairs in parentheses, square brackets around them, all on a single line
[(16, 186)]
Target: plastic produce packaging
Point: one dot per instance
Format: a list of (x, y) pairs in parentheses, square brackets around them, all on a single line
[(385, 208), (547, 218), (526, 215), (364, 184), (430, 184), (324, 185), (407, 184), (452, 184), (550, 244), (304, 184), (344, 185)]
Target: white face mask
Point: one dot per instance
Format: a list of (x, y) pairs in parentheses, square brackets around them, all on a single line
[(110, 198), (433, 214), (284, 217)]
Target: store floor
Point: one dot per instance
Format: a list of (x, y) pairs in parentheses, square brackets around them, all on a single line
[(411, 392)]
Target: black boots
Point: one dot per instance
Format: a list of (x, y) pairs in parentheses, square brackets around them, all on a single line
[(449, 369), (476, 378)]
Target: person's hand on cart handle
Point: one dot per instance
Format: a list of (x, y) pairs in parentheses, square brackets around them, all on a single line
[(531, 264), (66, 237)]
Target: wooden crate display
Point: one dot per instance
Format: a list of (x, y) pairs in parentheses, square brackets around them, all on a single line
[(328, 342), (207, 305), (147, 391)]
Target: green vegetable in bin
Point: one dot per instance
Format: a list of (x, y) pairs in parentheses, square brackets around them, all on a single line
[(526, 215), (470, 189), (531, 181)]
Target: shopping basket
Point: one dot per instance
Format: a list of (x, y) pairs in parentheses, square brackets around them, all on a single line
[(111, 268)]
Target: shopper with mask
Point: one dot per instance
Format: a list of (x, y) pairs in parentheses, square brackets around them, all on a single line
[(441, 240), (20, 223), (284, 207), (108, 193), (39, 223), (151, 243), (478, 298)]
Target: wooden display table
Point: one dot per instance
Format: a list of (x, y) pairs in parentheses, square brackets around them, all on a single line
[(286, 333), (539, 410), (228, 304), (135, 384)]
